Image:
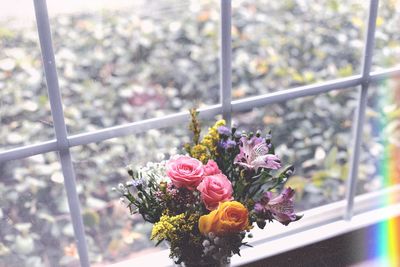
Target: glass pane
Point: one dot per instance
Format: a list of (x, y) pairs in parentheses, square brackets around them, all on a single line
[(35, 225), (25, 116), (113, 234), (380, 157), (124, 61), (387, 37), (283, 44), (313, 134)]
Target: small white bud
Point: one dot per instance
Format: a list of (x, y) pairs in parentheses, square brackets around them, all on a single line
[(206, 243), (121, 186)]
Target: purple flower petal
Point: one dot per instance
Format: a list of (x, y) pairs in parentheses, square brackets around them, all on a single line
[(224, 131), (280, 208), (254, 154)]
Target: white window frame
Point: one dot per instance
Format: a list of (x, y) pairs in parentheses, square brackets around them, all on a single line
[(335, 218)]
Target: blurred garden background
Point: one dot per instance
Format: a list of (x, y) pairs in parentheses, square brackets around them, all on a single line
[(125, 61)]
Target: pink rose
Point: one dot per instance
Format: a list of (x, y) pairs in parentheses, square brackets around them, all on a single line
[(211, 168), (215, 189), (185, 171)]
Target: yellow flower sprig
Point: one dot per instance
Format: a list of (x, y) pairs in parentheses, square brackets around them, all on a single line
[(173, 228), (207, 148)]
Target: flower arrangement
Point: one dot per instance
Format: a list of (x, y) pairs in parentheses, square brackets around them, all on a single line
[(205, 202)]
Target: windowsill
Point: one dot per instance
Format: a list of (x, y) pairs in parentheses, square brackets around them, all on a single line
[(317, 224)]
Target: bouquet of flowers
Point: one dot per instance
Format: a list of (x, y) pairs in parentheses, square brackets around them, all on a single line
[(205, 201)]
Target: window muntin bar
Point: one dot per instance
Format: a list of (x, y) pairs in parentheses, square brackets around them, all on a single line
[(74, 206), (43, 26), (307, 90), (360, 112), (27, 151), (226, 60), (237, 105)]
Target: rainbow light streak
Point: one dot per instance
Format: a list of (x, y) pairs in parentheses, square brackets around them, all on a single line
[(385, 248)]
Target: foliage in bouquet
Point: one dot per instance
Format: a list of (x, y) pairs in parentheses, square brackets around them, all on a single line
[(204, 203)]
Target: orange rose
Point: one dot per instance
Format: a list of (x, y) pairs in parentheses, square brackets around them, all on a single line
[(230, 217)]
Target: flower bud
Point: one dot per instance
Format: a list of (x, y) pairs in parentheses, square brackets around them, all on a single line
[(261, 224), (206, 243), (234, 126), (268, 138), (211, 235), (163, 187), (289, 172), (236, 137), (129, 170), (121, 186)]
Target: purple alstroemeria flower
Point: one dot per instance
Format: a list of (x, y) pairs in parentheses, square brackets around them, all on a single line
[(280, 208), (254, 154), (222, 130)]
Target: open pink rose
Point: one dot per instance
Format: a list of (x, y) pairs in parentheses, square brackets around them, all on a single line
[(211, 168), (215, 189), (185, 171)]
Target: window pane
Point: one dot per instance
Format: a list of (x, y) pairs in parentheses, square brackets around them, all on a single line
[(387, 37), (380, 157), (116, 235), (25, 116), (126, 61), (282, 44), (35, 225), (312, 133)]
